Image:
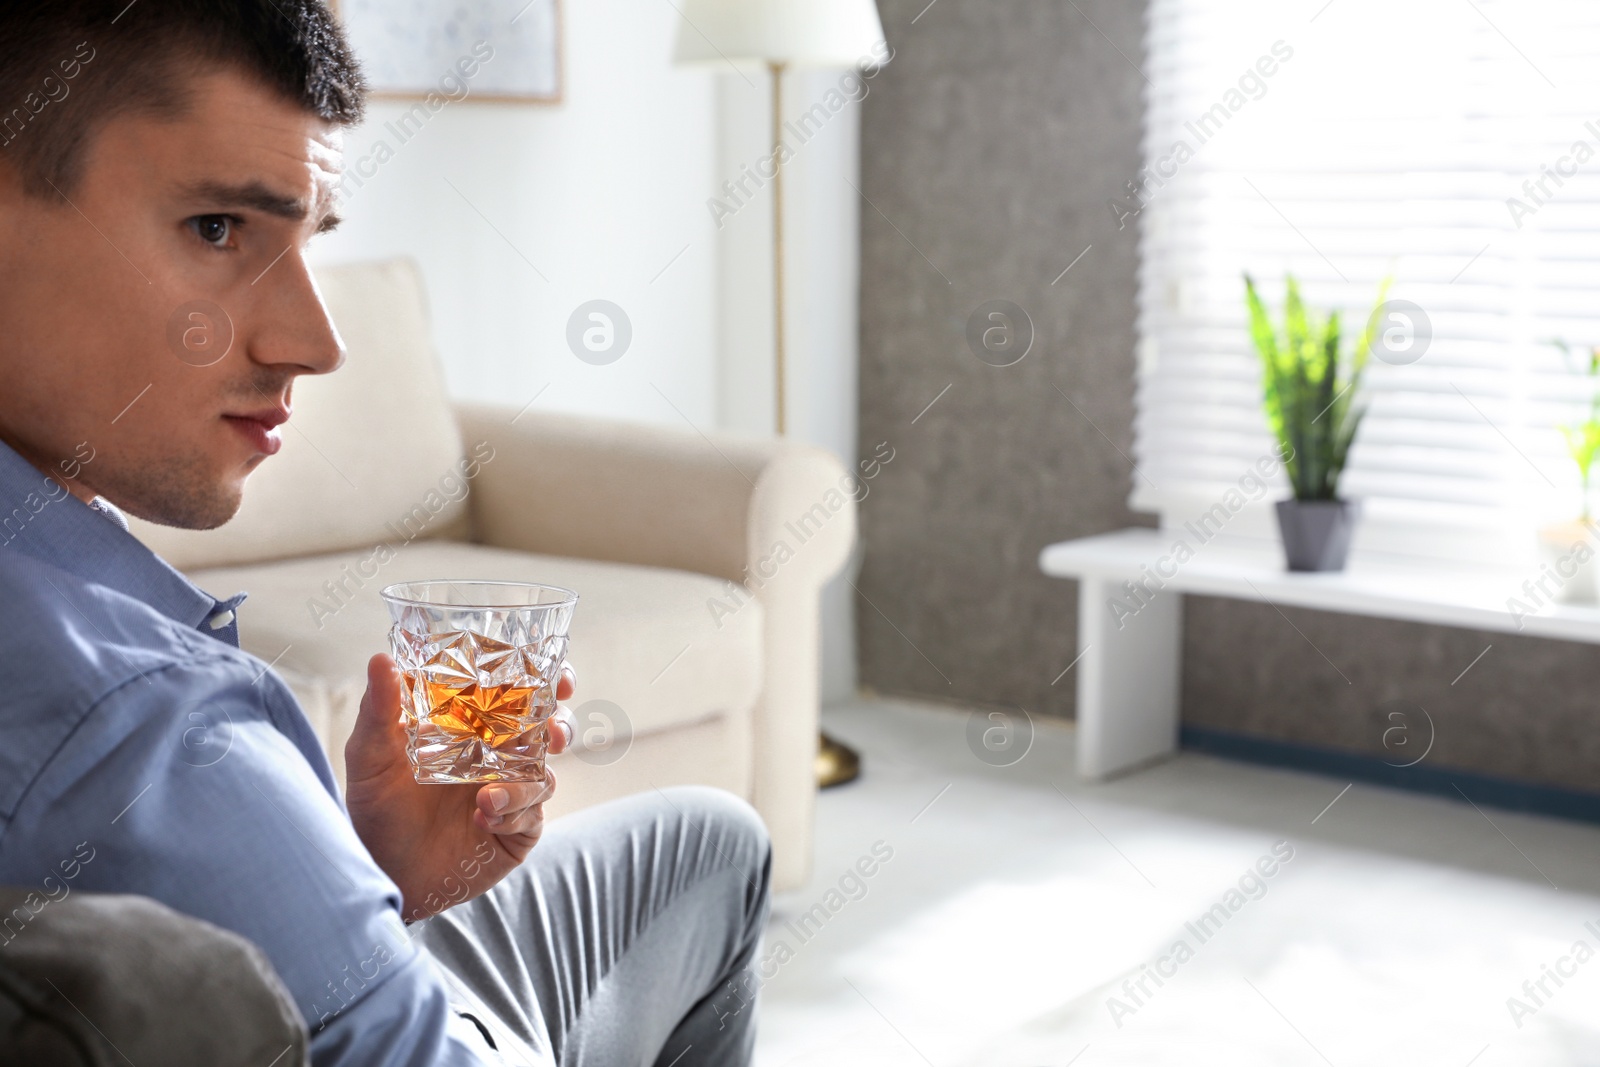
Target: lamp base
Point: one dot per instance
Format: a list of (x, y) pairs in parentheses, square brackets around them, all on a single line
[(837, 763)]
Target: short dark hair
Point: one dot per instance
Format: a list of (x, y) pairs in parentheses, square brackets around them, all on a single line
[(68, 65)]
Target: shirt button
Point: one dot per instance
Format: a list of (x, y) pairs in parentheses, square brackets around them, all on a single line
[(219, 620)]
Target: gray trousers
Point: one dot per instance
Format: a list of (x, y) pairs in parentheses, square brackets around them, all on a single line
[(626, 939)]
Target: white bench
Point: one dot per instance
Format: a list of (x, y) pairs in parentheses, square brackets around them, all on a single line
[(1128, 671)]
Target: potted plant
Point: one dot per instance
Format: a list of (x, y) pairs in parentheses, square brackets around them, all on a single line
[(1566, 546), (1311, 393)]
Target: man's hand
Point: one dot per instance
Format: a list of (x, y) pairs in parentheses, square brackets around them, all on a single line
[(441, 844)]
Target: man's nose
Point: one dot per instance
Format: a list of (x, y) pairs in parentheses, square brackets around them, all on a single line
[(293, 327)]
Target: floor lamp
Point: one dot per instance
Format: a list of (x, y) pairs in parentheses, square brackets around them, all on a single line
[(781, 35)]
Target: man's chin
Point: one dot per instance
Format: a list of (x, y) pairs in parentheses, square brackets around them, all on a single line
[(192, 508)]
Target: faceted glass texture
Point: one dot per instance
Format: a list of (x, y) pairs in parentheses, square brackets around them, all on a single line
[(479, 663)]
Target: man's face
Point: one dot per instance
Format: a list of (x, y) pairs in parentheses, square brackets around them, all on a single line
[(109, 332)]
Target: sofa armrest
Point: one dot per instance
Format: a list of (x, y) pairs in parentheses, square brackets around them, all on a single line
[(717, 504), (776, 519)]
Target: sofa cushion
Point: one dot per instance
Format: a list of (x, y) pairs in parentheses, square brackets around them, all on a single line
[(643, 638), (372, 451)]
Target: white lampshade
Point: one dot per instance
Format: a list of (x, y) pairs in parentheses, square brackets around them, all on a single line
[(801, 33)]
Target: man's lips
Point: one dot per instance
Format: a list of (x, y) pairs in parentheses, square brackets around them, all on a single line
[(260, 428)]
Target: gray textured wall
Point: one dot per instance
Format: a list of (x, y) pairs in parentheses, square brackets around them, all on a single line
[(1525, 710), (990, 146)]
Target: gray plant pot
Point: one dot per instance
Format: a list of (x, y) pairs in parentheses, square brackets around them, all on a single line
[(1316, 533)]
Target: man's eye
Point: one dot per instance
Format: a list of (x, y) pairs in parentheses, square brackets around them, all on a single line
[(215, 230)]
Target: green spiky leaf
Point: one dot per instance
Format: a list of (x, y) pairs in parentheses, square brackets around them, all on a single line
[(1310, 386)]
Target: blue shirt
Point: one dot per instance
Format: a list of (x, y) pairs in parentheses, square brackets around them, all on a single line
[(141, 751)]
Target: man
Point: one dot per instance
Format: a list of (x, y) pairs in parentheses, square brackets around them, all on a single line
[(162, 152)]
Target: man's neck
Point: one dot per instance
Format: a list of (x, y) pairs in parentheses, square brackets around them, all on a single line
[(48, 468)]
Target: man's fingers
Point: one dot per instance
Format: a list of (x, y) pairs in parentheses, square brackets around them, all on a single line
[(562, 731), (556, 732), (528, 824), (383, 686), (513, 807), (526, 821), (505, 798), (377, 739)]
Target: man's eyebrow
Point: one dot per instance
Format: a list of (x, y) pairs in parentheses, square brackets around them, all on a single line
[(260, 198)]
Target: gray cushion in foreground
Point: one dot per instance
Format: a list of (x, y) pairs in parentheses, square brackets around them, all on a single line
[(100, 979)]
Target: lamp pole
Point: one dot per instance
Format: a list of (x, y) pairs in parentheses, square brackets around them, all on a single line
[(836, 762), (776, 67)]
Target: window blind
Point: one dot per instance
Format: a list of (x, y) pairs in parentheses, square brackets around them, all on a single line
[(1454, 147)]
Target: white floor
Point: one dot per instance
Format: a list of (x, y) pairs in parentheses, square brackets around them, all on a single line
[(1019, 901)]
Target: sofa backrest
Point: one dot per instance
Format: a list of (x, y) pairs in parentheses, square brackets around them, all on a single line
[(372, 453)]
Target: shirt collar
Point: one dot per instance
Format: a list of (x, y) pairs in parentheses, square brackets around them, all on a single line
[(39, 518)]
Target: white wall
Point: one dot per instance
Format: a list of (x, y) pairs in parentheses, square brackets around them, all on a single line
[(821, 257), (598, 193)]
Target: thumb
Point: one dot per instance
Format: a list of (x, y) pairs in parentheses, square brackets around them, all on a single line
[(378, 740)]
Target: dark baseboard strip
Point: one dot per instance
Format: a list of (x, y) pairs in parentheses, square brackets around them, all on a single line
[(1506, 793)]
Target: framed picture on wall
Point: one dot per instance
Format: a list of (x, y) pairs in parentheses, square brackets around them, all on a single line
[(411, 48)]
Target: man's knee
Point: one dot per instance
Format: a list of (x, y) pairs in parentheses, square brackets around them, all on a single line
[(711, 807), (730, 823)]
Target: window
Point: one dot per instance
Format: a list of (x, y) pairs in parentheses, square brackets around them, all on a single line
[(1452, 145)]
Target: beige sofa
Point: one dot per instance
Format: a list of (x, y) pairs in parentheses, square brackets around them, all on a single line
[(699, 558)]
